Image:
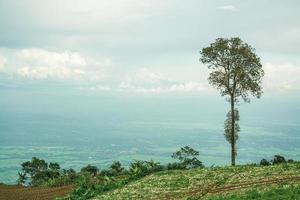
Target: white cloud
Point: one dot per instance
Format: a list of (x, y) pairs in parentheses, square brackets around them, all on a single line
[(43, 64), (145, 81), (3, 61), (50, 72), (51, 58), (281, 77), (231, 8), (144, 75)]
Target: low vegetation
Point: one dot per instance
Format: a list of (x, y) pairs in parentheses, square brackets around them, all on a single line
[(239, 182), (185, 179)]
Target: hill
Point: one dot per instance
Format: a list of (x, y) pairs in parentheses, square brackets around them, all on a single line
[(240, 182)]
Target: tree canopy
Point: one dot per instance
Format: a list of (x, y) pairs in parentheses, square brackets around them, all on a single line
[(236, 69)]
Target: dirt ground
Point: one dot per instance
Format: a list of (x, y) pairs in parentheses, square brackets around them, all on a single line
[(13, 192)]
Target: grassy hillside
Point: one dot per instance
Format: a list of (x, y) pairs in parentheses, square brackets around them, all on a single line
[(240, 182)]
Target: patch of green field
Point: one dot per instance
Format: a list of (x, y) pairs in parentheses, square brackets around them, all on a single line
[(198, 183), (286, 191)]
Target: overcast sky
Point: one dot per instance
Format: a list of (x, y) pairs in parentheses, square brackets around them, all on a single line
[(142, 46)]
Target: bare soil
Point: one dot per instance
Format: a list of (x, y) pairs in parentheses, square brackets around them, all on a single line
[(16, 192)]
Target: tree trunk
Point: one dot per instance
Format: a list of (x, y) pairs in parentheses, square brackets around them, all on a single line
[(232, 131)]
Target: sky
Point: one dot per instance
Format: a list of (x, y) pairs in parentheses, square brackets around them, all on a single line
[(142, 47)]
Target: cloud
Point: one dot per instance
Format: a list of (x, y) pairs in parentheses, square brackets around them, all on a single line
[(281, 77), (144, 75), (43, 64), (145, 81), (51, 58), (50, 72), (3, 61), (231, 8)]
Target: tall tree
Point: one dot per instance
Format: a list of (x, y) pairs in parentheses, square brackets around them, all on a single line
[(236, 71)]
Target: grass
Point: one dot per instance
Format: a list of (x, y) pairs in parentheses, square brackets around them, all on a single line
[(285, 191), (213, 183)]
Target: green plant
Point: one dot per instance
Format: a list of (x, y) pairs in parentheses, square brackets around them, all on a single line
[(187, 157), (37, 172), (264, 162), (93, 170), (278, 159)]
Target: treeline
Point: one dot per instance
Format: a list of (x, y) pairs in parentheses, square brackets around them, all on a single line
[(90, 181)]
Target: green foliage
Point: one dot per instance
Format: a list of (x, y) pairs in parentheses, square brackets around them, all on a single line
[(278, 159), (280, 192), (175, 165), (228, 128), (54, 166), (37, 172), (87, 186), (116, 168), (67, 177), (236, 69), (22, 178), (187, 157), (93, 170), (195, 183), (139, 168), (264, 162)]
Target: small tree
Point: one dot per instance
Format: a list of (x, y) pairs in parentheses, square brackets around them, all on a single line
[(188, 157), (236, 71), (278, 159), (93, 170), (116, 167), (138, 168), (38, 171), (264, 162)]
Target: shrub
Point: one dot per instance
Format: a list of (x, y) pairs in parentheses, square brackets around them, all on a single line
[(278, 159), (175, 166), (87, 187), (67, 177), (265, 162), (140, 168), (93, 170), (37, 172), (116, 168)]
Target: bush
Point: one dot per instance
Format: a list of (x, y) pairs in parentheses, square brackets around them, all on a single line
[(175, 166), (93, 170), (116, 166), (37, 172), (67, 177), (265, 162), (115, 169), (278, 159), (140, 168), (87, 187)]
